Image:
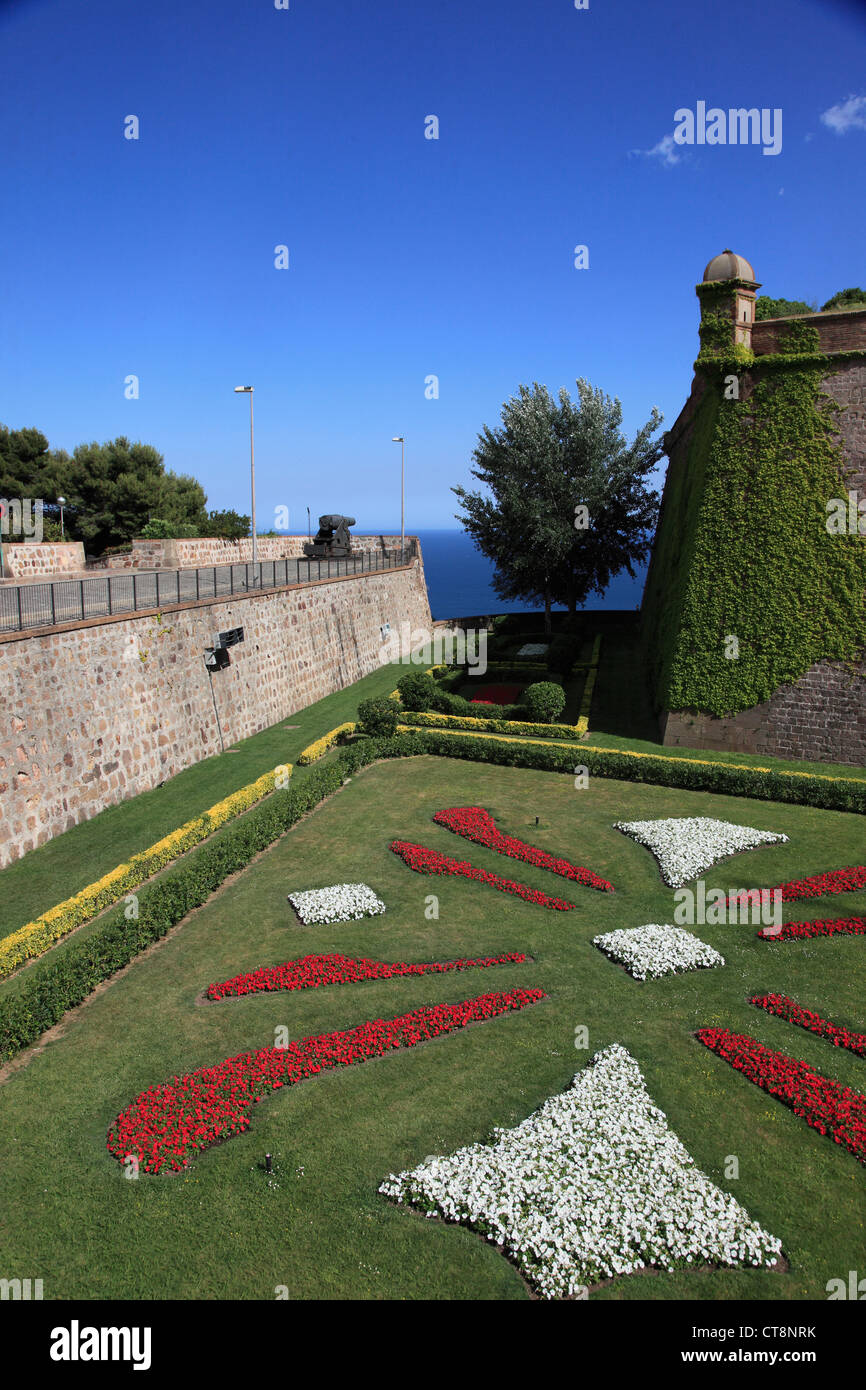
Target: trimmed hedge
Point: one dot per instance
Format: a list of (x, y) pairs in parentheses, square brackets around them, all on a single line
[(37, 937), (490, 724), (48, 990), (760, 784)]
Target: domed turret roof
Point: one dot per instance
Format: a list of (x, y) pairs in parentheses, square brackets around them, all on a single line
[(729, 266)]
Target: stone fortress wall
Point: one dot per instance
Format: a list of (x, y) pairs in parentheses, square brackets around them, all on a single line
[(822, 715), (92, 713)]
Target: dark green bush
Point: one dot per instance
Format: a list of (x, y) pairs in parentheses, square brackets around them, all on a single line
[(417, 690), (563, 653), (378, 716), (543, 702)]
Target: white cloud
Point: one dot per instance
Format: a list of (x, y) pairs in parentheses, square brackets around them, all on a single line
[(666, 150), (849, 114)]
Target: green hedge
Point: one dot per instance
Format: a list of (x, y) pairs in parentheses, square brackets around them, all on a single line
[(833, 794), (46, 991), (49, 989)]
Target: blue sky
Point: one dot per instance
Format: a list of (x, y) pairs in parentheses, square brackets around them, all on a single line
[(408, 257)]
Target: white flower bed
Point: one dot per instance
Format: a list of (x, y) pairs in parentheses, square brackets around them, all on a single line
[(687, 845), (342, 902), (594, 1184), (533, 649), (654, 950)]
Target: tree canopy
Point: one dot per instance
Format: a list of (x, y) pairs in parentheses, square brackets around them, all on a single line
[(845, 299), (767, 308), (112, 490), (567, 505)]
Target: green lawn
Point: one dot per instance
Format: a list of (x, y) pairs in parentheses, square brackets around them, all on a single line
[(80, 856), (218, 1231)]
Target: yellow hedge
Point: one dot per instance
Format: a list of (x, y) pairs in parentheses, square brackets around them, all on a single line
[(589, 686), (317, 750), (455, 722), (36, 937)]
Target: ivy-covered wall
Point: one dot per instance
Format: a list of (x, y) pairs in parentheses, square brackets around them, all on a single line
[(747, 590)]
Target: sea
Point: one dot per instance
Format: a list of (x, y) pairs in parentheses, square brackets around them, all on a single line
[(459, 580)]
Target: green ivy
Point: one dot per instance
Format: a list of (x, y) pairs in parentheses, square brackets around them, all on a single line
[(742, 547)]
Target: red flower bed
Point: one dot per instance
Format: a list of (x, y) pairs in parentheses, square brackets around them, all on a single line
[(497, 695), (430, 861), (476, 824), (846, 926), (312, 972), (783, 1007), (165, 1126), (826, 1105), (836, 881)]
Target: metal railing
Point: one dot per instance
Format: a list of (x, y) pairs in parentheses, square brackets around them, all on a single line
[(24, 606)]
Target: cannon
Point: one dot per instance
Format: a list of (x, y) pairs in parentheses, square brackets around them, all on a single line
[(332, 540)]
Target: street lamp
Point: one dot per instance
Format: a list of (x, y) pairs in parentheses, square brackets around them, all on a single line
[(249, 390), (61, 502), (398, 439)]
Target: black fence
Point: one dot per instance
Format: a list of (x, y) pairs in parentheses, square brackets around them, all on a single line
[(23, 606)]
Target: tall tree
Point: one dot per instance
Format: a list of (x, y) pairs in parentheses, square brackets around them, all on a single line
[(113, 490), (567, 505)]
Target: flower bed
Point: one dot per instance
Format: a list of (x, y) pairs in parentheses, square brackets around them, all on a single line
[(848, 880), (593, 1185), (501, 694), (341, 902), (476, 824), (685, 846), (164, 1126), (796, 931), (314, 972), (656, 949), (530, 649), (783, 1007), (826, 1105), (37, 937), (314, 751), (430, 861)]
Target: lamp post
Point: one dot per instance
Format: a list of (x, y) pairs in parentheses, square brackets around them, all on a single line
[(249, 390), (61, 502), (398, 439)]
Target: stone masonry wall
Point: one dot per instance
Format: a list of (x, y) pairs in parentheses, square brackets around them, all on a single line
[(188, 554), (100, 711), (838, 332), (821, 717), (32, 560)]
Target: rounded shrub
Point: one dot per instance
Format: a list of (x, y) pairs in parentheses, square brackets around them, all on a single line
[(544, 702), (378, 716), (417, 690)]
